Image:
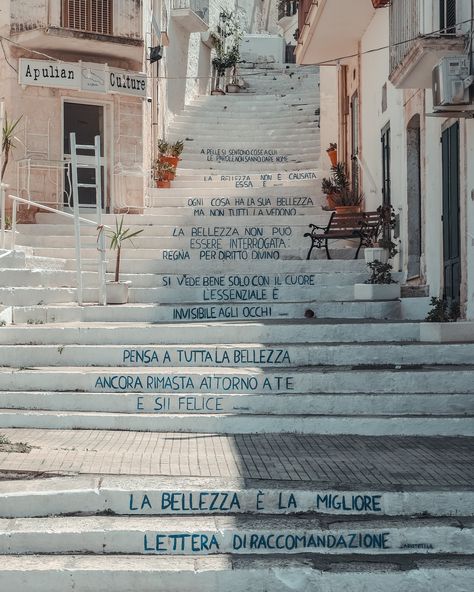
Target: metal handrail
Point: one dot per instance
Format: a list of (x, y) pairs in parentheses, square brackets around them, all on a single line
[(78, 219)]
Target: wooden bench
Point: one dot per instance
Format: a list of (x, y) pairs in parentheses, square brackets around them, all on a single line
[(364, 227)]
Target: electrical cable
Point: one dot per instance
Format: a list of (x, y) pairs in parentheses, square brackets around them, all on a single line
[(331, 61)]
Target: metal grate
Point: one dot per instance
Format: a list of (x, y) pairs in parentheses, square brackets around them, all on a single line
[(447, 17), (93, 16)]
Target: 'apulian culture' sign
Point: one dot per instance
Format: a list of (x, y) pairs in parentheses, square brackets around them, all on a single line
[(81, 76)]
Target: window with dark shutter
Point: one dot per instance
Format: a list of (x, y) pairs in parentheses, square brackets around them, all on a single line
[(447, 17), (93, 16)]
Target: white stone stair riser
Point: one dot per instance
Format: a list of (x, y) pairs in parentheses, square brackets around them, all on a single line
[(169, 535), (125, 573), (195, 236), (201, 251), (239, 355), (252, 311), (242, 424), (297, 114), (239, 380), (194, 496), (165, 295), (176, 333), (38, 280), (297, 162), (391, 405)]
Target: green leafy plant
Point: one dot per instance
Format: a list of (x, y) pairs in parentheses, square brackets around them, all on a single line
[(163, 147), (383, 236), (177, 148), (337, 182), (381, 273), (163, 171), (226, 41), (118, 237), (442, 312), (8, 144)]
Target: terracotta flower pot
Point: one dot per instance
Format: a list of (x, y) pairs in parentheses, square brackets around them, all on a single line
[(163, 184), (331, 201), (347, 209), (332, 156), (171, 160)]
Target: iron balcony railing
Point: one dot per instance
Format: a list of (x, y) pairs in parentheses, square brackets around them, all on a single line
[(406, 25), (199, 7), (287, 8)]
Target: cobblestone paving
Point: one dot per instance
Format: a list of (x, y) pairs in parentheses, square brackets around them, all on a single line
[(339, 460)]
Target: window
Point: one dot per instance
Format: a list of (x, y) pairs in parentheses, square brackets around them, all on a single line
[(386, 181), (93, 16), (447, 17)]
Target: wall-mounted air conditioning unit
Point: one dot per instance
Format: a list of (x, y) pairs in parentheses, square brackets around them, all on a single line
[(451, 83)]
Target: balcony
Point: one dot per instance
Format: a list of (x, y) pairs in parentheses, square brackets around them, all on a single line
[(192, 15), (324, 35), (414, 48), (109, 28)]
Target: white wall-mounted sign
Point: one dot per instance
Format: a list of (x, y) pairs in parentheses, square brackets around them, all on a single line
[(81, 76)]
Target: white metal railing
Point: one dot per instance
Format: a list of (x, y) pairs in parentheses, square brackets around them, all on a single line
[(97, 186), (77, 219), (119, 18), (200, 7)]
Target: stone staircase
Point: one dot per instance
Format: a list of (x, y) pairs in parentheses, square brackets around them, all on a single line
[(231, 336)]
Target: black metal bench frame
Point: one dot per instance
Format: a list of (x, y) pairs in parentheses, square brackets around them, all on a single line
[(364, 227)]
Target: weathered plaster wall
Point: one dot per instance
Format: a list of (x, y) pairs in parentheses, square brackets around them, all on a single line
[(373, 75), (329, 113)]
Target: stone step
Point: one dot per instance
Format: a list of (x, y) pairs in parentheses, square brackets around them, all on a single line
[(199, 134), (19, 297), (330, 406), (197, 380), (308, 102), (244, 196), (253, 310), (196, 237), (123, 573), (138, 496), (290, 164), (155, 223), (203, 535), (283, 355), (199, 250), (289, 115), (242, 100), (209, 333), (259, 267), (187, 283), (373, 425)]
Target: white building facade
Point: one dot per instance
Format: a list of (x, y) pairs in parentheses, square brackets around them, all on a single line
[(377, 104)]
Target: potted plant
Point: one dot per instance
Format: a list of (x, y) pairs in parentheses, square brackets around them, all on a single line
[(117, 291), (332, 153), (163, 174), (380, 285), (348, 201), (8, 137), (226, 43), (339, 195), (383, 248)]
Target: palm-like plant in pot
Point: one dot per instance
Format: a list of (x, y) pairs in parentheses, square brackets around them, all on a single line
[(340, 196), (117, 291)]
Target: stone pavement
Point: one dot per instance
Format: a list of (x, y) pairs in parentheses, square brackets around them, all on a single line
[(408, 462)]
